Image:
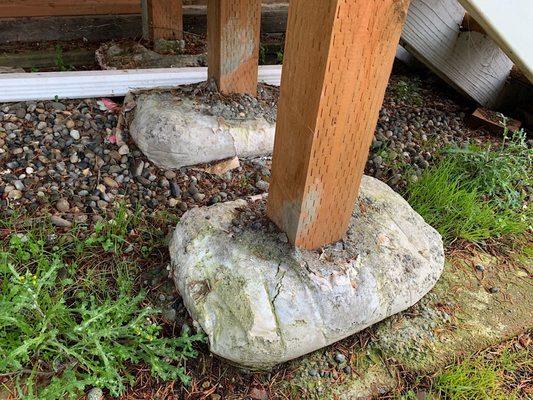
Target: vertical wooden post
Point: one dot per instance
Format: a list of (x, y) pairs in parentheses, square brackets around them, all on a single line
[(162, 19), (233, 28), (337, 62)]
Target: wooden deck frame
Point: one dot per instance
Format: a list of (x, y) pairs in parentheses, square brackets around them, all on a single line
[(338, 59), (162, 19), (233, 28)]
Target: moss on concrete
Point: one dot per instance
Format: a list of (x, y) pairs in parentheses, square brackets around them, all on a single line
[(459, 317)]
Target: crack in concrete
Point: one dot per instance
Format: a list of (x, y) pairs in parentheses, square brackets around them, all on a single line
[(279, 285)]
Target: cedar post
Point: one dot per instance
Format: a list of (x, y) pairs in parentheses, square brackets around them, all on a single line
[(162, 19), (233, 28), (338, 58)]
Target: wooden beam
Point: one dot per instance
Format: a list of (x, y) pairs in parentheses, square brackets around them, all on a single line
[(469, 61), (233, 44), (40, 8), (338, 59), (108, 27), (162, 19)]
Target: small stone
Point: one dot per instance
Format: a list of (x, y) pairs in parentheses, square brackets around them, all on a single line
[(198, 197), (60, 222), (170, 314), (14, 194), (183, 206), (262, 185), (110, 182), (70, 124), (123, 150), (138, 167), (18, 184), (75, 134), (62, 205), (173, 202), (313, 372), (101, 188), (347, 369), (480, 267), (175, 190), (340, 358), (29, 170), (494, 290), (95, 394), (170, 174)]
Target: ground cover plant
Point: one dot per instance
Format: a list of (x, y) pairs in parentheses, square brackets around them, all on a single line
[(502, 372), (71, 317), (477, 192)]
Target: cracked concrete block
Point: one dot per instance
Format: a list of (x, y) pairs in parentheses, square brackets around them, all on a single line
[(176, 132), (262, 302)]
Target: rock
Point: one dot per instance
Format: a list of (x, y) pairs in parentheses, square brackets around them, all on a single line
[(176, 134), (262, 185), (110, 182), (14, 194), (62, 205), (261, 303), (123, 150), (138, 168), (60, 222), (170, 314), (340, 358), (75, 134), (95, 394)]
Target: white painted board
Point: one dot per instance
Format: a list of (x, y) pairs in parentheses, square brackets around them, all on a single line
[(88, 84), (510, 24)]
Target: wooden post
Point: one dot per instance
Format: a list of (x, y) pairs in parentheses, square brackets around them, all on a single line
[(162, 19), (338, 58), (233, 28)]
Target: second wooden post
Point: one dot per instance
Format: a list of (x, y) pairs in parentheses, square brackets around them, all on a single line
[(338, 58), (233, 44)]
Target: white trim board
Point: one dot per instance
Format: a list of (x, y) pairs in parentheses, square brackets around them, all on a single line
[(112, 83)]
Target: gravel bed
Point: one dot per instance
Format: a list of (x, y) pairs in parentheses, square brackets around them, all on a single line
[(58, 157)]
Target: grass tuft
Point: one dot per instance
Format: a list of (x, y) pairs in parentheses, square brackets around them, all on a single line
[(477, 193)]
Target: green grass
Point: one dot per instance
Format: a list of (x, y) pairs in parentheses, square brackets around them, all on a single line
[(476, 193), (498, 373), (407, 90), (71, 316)]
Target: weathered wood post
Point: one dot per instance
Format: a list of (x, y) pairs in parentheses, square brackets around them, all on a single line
[(162, 19), (338, 58), (233, 28)]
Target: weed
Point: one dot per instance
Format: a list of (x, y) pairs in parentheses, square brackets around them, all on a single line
[(407, 90), (64, 328), (451, 203), (59, 61), (262, 55), (503, 174), (280, 56)]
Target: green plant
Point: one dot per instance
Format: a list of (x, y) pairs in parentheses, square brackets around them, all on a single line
[(472, 379), (59, 335), (501, 174), (406, 89), (262, 54), (450, 202), (59, 61), (280, 56)]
